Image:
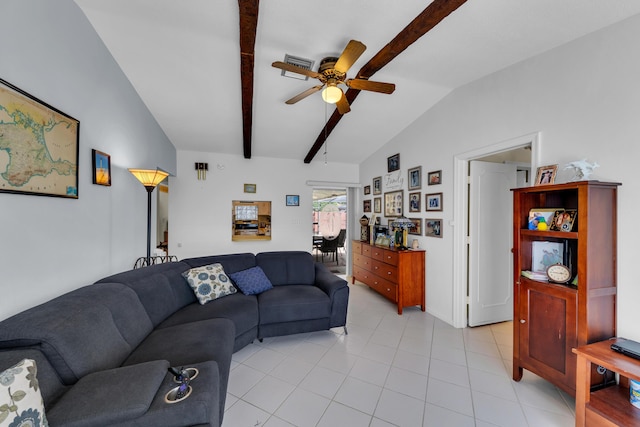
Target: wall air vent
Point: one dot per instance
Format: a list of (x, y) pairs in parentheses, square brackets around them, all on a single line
[(298, 62)]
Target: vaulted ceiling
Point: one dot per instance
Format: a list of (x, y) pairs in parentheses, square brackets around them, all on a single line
[(203, 67)]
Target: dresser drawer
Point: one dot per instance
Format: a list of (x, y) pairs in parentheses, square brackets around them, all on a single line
[(390, 257), (384, 270), (356, 247), (362, 261), (366, 250), (363, 275), (384, 287), (377, 253)]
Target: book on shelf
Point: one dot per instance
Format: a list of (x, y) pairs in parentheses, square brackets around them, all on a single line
[(535, 275)]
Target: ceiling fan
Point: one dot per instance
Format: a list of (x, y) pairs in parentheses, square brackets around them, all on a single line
[(331, 73)]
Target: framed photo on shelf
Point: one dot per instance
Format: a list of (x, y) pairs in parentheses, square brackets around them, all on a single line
[(393, 201), (417, 226), (367, 189), (377, 185), (377, 205), (293, 200), (544, 254), (546, 175), (101, 165), (366, 205), (414, 202), (536, 214), (434, 178), (250, 188), (415, 178), (433, 227), (393, 163), (563, 220), (433, 202)]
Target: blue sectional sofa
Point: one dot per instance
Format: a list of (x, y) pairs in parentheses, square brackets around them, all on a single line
[(103, 351)]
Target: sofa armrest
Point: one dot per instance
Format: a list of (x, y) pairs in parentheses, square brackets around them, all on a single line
[(327, 281), (337, 290), (134, 395), (111, 396)]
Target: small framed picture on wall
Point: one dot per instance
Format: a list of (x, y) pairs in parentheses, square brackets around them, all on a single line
[(433, 202), (393, 163), (366, 205), (377, 185), (377, 205)]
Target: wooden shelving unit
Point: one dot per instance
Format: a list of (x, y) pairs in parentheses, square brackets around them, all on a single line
[(609, 406), (551, 319)]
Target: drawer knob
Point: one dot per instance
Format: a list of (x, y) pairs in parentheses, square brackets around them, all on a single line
[(389, 273), (523, 321), (388, 290)]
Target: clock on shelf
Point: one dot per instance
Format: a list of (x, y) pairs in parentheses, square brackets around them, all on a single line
[(559, 273)]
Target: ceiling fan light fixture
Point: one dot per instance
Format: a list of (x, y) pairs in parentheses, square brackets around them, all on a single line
[(332, 93)]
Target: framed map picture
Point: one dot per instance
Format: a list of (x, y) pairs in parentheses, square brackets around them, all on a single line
[(41, 144)]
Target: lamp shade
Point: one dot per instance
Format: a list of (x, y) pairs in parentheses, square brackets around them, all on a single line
[(402, 222), (149, 177), (331, 94)]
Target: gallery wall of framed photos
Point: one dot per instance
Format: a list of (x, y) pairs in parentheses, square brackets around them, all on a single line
[(406, 192)]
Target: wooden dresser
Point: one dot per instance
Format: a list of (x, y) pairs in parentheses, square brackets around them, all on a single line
[(398, 275)]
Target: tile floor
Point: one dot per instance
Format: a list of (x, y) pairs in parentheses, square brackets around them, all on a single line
[(411, 370)]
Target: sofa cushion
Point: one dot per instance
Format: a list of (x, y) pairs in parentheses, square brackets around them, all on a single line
[(230, 262), (20, 399), (189, 343), (127, 311), (239, 308), (251, 281), (50, 386), (209, 282), (287, 267), (110, 396), (160, 288), (293, 303), (76, 335)]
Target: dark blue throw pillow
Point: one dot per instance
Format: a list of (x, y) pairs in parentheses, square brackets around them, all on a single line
[(251, 281)]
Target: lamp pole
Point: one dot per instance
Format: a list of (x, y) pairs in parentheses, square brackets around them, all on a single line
[(149, 191)]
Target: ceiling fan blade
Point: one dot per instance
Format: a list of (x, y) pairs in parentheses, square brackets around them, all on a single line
[(361, 84), (295, 69), (304, 94), (349, 55), (343, 105)]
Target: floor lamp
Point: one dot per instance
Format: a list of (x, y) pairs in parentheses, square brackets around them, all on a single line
[(150, 178)]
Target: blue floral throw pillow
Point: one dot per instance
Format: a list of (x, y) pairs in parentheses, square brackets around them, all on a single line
[(251, 281), (20, 400), (209, 282)]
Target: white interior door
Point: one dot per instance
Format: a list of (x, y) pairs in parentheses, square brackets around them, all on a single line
[(490, 242)]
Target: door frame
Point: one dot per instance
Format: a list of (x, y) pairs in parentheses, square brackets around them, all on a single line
[(460, 221)]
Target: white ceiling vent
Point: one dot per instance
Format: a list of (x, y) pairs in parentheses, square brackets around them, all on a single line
[(298, 62)]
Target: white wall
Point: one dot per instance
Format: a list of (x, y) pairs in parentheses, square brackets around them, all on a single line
[(200, 210), (48, 245), (583, 97)]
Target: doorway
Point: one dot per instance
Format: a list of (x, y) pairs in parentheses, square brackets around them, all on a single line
[(464, 243), (329, 232)]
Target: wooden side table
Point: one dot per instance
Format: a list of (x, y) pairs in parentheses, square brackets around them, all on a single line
[(609, 406)]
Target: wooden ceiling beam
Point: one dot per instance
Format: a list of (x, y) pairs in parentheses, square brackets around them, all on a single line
[(421, 25), (248, 28)]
